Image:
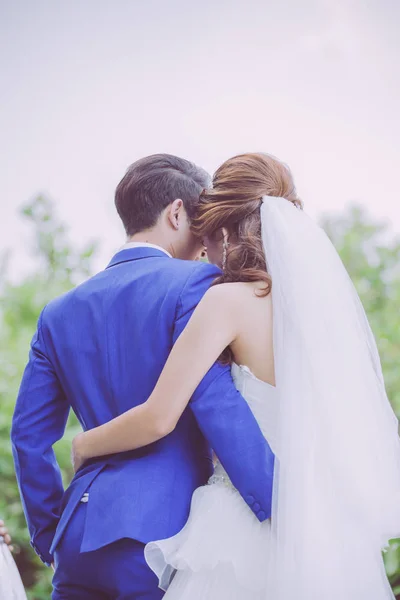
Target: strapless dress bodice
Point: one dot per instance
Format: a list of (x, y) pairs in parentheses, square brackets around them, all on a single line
[(262, 400)]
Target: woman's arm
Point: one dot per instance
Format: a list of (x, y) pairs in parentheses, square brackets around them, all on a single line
[(209, 331)]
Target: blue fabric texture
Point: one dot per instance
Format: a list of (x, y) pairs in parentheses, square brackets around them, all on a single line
[(115, 572)]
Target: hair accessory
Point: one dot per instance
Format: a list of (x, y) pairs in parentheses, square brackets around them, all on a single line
[(224, 253)]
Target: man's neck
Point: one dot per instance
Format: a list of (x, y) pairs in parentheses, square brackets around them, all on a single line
[(149, 237)]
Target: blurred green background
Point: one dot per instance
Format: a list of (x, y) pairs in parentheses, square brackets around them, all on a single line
[(370, 251)]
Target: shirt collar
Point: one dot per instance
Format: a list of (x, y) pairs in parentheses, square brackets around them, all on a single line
[(129, 245)]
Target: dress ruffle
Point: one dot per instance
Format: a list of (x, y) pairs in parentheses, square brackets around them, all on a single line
[(221, 532)]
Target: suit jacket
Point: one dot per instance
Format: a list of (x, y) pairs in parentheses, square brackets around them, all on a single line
[(99, 349)]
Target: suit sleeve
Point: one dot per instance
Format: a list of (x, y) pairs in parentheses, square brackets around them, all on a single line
[(39, 421), (225, 417)]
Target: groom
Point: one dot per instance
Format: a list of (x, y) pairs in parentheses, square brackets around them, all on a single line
[(99, 350)]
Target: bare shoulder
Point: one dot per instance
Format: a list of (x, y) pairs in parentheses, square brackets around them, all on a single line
[(230, 312), (234, 295)]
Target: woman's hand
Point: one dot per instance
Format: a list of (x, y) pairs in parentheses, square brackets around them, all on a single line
[(5, 536), (77, 453)]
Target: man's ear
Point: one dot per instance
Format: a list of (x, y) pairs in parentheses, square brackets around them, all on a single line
[(175, 213)]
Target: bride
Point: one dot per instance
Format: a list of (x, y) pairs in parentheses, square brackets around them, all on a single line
[(286, 316)]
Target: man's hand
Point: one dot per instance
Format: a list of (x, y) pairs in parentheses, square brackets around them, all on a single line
[(5, 536)]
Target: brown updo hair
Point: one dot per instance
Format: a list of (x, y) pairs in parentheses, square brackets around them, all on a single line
[(234, 202)]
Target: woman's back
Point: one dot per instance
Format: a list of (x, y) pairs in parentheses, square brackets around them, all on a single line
[(253, 345)]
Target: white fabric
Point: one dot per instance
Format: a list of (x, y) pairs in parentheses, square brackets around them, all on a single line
[(129, 245), (337, 476), (221, 553), (11, 587)]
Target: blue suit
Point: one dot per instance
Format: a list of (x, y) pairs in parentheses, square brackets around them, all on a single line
[(99, 349)]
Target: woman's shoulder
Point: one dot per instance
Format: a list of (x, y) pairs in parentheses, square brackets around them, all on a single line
[(234, 294)]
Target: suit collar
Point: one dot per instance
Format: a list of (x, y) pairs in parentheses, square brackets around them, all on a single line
[(129, 254)]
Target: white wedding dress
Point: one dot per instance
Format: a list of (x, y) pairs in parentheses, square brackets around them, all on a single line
[(221, 552), (336, 489), (11, 587)]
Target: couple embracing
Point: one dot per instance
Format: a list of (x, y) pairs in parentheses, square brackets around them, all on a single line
[(238, 443)]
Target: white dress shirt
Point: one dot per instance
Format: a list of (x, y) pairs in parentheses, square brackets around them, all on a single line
[(144, 245)]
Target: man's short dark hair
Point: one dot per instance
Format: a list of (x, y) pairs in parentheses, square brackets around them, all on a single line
[(151, 184)]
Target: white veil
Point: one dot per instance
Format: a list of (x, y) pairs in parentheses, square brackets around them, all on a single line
[(337, 478)]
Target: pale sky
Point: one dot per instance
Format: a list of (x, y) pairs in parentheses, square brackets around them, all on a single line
[(89, 86)]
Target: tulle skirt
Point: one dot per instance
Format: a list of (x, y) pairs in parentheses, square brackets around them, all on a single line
[(220, 554), (11, 587), (225, 553)]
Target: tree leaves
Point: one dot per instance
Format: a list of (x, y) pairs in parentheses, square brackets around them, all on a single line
[(59, 267)]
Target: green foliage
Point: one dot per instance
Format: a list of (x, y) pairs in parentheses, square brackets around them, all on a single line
[(370, 252), (372, 257), (58, 268)]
